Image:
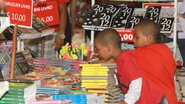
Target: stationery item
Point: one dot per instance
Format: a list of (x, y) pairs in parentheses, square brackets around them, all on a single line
[(4, 87)]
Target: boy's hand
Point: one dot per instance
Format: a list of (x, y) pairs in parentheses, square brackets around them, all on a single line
[(58, 42)]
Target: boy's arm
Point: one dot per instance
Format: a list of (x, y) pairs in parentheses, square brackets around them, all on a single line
[(62, 26), (134, 92)]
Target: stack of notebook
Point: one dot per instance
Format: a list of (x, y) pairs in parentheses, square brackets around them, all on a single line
[(98, 76), (19, 93), (101, 79), (94, 76)]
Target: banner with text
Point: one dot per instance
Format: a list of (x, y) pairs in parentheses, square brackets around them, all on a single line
[(48, 12), (20, 12)]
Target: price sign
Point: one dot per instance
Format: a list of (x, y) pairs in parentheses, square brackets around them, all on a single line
[(48, 12), (153, 13), (166, 24), (107, 15), (121, 18), (127, 35), (92, 17), (20, 12), (133, 20)]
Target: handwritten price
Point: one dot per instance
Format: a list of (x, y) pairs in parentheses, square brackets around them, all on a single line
[(47, 19), (17, 17)]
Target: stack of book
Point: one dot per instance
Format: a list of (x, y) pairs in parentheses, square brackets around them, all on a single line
[(73, 65), (75, 99), (52, 91), (101, 79), (45, 62), (19, 93), (50, 102), (98, 76), (114, 95)]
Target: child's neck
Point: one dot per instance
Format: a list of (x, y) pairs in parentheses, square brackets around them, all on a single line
[(117, 53)]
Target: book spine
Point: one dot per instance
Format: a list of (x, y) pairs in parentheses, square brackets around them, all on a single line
[(14, 96), (10, 102)]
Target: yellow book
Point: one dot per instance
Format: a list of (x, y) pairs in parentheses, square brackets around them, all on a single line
[(94, 87), (83, 65), (98, 91), (95, 69), (94, 81), (94, 73), (90, 75), (93, 84)]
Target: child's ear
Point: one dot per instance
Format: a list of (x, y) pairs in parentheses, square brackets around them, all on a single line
[(148, 38), (110, 48)]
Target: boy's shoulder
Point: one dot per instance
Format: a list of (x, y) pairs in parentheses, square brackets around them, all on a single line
[(154, 47), (126, 54)]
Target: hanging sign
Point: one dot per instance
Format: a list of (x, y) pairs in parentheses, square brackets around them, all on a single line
[(153, 13), (166, 24), (127, 35), (20, 12), (47, 12), (133, 20)]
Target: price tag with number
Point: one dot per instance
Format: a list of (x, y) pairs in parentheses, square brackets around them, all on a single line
[(48, 12), (121, 18), (133, 20), (153, 13), (92, 18), (20, 12), (107, 15), (166, 24), (127, 35)]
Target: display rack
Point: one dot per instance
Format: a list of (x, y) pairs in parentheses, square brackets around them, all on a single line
[(174, 23)]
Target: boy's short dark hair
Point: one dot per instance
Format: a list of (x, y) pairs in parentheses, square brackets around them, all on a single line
[(109, 36), (149, 27)]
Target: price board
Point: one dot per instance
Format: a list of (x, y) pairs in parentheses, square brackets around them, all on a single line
[(121, 18), (153, 13), (100, 16), (20, 12), (166, 24), (47, 12), (107, 15), (133, 20), (92, 18), (127, 35)]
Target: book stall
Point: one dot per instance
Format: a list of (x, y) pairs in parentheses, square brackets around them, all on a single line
[(76, 77)]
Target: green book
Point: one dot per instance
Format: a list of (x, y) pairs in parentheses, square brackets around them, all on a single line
[(12, 99), (13, 96), (22, 89), (10, 102)]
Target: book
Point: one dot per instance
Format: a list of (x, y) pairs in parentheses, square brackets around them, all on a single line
[(4, 87), (50, 102), (26, 89)]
